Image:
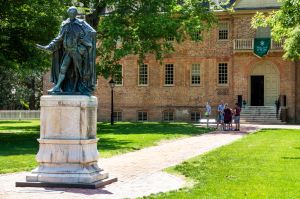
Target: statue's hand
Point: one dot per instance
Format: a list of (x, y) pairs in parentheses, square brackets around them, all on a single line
[(43, 47)]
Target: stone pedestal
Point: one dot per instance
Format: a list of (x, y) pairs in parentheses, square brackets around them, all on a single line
[(68, 152)]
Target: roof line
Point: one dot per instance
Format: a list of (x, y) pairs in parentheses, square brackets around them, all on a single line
[(259, 8)]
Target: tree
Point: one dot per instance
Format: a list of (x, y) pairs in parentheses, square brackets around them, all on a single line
[(285, 24), (140, 27), (23, 24), (125, 27)]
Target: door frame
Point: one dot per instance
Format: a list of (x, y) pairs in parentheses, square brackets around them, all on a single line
[(253, 72)]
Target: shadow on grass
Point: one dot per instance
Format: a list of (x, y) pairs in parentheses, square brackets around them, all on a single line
[(112, 144), (291, 158), (14, 121), (151, 127), (18, 143), (33, 128)]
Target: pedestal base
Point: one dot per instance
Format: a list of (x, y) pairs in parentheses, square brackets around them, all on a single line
[(68, 152), (94, 185)]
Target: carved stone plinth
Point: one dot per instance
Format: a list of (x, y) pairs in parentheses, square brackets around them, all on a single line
[(68, 145)]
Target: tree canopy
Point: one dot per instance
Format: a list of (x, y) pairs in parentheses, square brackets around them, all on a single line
[(140, 27), (23, 24), (285, 24), (125, 27)]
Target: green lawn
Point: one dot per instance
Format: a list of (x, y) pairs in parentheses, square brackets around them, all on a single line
[(18, 145), (262, 165)]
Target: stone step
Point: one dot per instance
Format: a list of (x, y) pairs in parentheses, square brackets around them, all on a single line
[(260, 115), (261, 122), (269, 119)]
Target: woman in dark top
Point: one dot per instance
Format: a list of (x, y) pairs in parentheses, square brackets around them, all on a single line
[(227, 116)]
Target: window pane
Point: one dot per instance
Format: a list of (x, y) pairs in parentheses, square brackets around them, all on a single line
[(117, 116), (223, 73), (118, 76), (168, 116), (263, 32), (195, 74), (195, 116), (223, 30), (169, 74), (142, 116), (143, 74)]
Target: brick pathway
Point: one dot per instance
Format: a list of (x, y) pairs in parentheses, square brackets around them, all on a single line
[(139, 173)]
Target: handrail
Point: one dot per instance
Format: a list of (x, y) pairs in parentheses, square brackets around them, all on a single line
[(248, 44)]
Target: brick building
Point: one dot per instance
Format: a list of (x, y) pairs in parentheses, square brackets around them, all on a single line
[(223, 66)]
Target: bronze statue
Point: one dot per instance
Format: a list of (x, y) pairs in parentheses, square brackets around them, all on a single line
[(74, 52)]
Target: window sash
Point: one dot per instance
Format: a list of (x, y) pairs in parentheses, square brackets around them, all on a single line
[(223, 31), (142, 116), (223, 73), (118, 77), (195, 116), (117, 115), (168, 116), (143, 74), (169, 74), (195, 74)]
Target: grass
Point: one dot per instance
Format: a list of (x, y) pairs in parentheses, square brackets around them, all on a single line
[(18, 144), (124, 137), (261, 165)]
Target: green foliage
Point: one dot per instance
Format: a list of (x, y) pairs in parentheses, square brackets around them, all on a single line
[(285, 25), (261, 165), (23, 24), (141, 27), (125, 136), (18, 144)]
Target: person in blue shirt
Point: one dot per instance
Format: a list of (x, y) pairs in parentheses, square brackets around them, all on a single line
[(220, 117), (207, 112)]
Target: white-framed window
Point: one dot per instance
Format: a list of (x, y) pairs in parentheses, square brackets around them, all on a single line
[(263, 32), (169, 74), (223, 31), (118, 76), (143, 75), (195, 74), (117, 116), (142, 116), (168, 116), (197, 35), (170, 39), (223, 73), (195, 116)]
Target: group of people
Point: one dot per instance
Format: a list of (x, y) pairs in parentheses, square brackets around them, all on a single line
[(226, 116)]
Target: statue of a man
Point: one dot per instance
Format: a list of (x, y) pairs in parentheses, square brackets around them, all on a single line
[(74, 53)]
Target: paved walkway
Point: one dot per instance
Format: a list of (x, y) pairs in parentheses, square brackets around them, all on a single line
[(139, 173)]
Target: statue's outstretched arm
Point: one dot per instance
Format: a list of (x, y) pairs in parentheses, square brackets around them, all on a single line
[(54, 44)]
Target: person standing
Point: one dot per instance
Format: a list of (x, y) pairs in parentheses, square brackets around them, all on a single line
[(237, 112), (220, 118), (227, 117), (207, 112)]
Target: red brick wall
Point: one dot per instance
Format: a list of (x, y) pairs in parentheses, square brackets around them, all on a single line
[(184, 98)]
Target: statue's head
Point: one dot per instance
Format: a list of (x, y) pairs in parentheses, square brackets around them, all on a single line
[(72, 12)]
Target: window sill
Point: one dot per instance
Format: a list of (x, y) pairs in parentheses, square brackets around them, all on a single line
[(223, 85)]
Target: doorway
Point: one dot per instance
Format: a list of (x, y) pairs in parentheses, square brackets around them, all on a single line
[(257, 90)]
